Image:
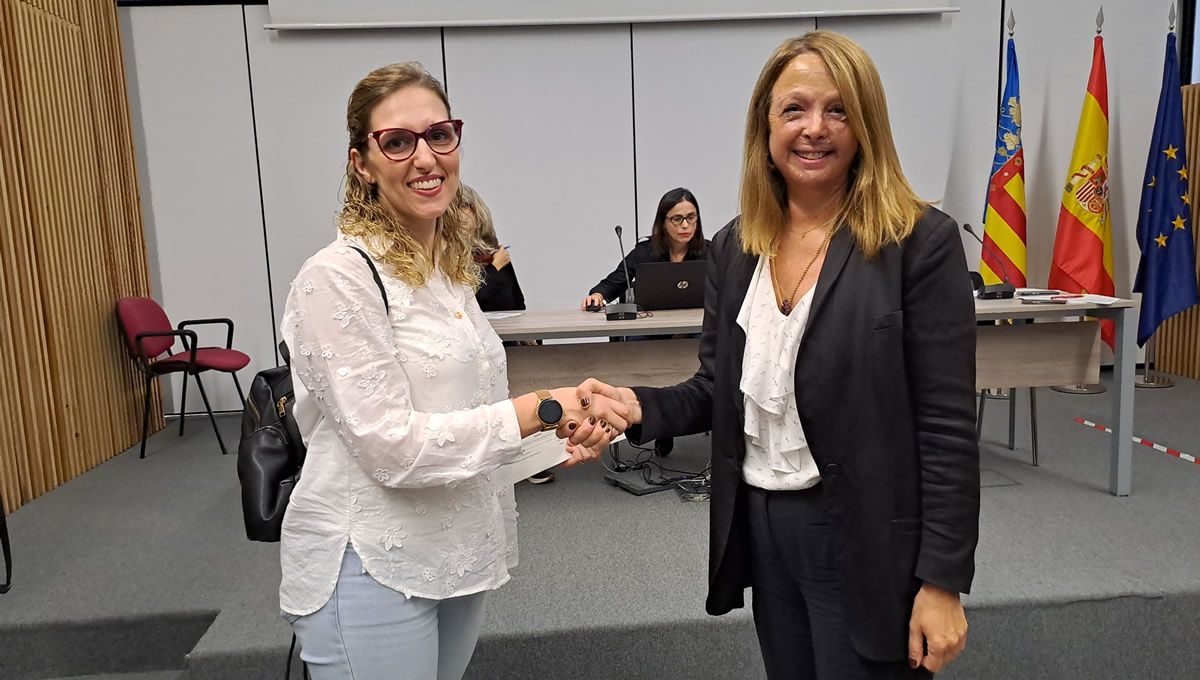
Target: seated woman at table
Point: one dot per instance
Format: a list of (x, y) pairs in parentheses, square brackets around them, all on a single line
[(499, 289), (677, 235)]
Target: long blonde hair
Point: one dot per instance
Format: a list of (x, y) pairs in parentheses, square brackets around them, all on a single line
[(880, 206), (364, 216)]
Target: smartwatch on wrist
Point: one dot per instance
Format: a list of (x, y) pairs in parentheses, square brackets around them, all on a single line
[(549, 411)]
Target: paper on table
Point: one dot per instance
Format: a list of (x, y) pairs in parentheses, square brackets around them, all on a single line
[(496, 316), (540, 451), (1095, 299)]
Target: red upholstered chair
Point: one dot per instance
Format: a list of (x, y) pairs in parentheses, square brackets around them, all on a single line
[(149, 338)]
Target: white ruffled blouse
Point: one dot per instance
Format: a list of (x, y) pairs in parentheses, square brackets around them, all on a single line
[(777, 454), (407, 418)]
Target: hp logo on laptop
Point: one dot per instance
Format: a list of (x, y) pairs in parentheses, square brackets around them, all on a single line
[(681, 285)]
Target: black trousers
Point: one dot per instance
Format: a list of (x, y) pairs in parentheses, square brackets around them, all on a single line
[(798, 609)]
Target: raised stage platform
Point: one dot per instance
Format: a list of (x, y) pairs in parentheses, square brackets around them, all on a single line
[(139, 569)]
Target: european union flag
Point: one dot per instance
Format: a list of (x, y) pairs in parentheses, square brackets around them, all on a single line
[(1166, 275)]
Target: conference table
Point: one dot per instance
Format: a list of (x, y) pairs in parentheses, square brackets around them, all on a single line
[(1029, 346)]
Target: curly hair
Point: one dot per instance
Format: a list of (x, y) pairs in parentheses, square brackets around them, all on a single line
[(365, 217)]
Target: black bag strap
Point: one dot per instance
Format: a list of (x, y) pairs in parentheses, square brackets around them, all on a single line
[(7, 552), (375, 274), (283, 348)]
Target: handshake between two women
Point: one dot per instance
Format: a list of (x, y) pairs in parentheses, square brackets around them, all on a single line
[(593, 415)]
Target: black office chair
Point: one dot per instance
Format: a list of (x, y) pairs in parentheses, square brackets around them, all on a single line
[(976, 280), (1012, 417)]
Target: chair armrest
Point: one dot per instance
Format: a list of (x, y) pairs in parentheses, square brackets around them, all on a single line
[(228, 323), (184, 334)]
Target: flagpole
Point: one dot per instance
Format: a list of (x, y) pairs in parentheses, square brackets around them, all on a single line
[(1150, 375), (1080, 388)]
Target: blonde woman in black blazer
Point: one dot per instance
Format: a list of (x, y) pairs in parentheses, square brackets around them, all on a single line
[(858, 562)]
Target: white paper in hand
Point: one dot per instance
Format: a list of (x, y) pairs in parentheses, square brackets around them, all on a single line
[(540, 451)]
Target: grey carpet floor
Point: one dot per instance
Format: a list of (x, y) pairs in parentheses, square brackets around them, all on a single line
[(163, 536)]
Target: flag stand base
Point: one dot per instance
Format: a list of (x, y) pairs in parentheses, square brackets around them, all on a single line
[(1154, 380), (1080, 389), (1150, 377)]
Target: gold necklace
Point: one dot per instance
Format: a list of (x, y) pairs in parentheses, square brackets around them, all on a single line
[(785, 304)]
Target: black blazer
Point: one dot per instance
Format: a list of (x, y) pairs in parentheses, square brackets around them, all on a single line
[(500, 291), (613, 286), (885, 386)]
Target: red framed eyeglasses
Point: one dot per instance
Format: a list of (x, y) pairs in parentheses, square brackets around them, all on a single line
[(399, 144)]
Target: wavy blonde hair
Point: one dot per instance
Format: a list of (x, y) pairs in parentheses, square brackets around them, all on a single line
[(485, 229), (364, 216), (880, 206)]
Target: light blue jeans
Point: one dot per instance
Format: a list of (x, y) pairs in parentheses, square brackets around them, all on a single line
[(368, 631)]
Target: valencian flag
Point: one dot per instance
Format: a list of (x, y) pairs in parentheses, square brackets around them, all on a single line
[(1004, 217), (1166, 275), (1083, 259)]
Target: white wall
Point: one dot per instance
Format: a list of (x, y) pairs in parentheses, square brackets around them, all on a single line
[(322, 13), (559, 119), (692, 86), (200, 198), (548, 144), (301, 82), (975, 51), (919, 85)]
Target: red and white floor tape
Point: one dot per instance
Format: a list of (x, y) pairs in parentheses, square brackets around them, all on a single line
[(1144, 442)]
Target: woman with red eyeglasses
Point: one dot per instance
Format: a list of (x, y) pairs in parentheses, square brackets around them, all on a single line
[(403, 518)]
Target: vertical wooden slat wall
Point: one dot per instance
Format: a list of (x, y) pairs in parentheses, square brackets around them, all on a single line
[(72, 244), (1178, 338)]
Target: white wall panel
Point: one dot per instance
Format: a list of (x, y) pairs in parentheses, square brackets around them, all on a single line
[(977, 39), (199, 182), (692, 85), (322, 13), (301, 84), (916, 61), (548, 144), (549, 139)]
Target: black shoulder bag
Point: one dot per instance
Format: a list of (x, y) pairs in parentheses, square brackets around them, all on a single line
[(271, 451), (7, 551)]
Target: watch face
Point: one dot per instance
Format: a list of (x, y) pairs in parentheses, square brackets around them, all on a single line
[(550, 412)]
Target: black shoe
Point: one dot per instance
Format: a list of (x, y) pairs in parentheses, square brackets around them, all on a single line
[(663, 447), (543, 477)]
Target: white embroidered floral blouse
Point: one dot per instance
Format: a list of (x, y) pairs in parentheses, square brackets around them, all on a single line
[(406, 417)]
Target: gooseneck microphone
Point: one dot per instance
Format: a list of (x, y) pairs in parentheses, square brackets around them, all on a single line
[(993, 291), (622, 311)]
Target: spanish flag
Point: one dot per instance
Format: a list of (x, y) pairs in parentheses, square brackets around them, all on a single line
[(1004, 217), (1083, 255)]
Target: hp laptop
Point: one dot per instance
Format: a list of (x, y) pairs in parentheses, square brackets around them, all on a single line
[(670, 285)]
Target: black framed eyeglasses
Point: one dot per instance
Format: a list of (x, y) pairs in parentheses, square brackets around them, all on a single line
[(399, 144), (678, 220)]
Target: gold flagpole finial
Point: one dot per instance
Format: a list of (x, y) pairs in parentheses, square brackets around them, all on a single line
[(1012, 23), (1171, 18)]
